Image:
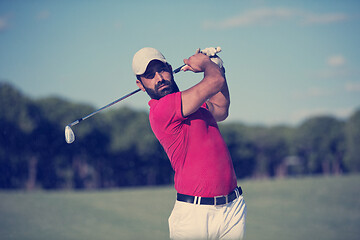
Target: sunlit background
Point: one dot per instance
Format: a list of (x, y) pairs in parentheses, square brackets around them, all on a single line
[(293, 68), (285, 60)]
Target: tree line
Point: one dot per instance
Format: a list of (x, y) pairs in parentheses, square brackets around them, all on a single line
[(117, 148)]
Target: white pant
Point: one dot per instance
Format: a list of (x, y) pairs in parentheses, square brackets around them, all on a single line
[(191, 221)]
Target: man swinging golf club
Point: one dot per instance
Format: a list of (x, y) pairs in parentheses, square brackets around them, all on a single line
[(209, 204)]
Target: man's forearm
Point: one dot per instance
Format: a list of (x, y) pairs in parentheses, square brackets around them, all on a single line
[(219, 103)]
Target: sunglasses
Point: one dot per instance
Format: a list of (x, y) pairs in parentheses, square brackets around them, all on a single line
[(156, 68)]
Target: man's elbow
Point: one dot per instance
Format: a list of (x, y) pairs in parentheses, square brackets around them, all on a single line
[(222, 115)]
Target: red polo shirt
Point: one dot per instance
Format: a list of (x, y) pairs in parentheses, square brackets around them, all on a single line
[(195, 147)]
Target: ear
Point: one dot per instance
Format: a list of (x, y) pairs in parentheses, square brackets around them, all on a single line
[(139, 84)]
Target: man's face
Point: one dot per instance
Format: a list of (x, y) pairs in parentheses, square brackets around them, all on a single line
[(158, 80)]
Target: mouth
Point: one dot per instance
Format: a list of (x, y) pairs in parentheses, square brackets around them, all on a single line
[(162, 87)]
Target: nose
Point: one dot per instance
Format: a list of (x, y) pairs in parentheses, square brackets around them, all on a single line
[(158, 77)]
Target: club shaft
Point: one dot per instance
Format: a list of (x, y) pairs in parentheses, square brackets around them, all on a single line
[(114, 102), (104, 107), (178, 69)]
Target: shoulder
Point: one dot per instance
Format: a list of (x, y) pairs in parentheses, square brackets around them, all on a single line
[(165, 102), (165, 114), (167, 107)]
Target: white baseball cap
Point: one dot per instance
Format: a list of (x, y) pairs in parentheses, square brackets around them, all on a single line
[(143, 57)]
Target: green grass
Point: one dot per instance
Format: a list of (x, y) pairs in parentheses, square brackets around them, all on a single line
[(305, 208)]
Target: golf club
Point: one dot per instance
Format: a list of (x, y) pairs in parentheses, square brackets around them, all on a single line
[(69, 133)]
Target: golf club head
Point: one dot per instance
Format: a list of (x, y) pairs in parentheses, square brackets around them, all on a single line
[(69, 135)]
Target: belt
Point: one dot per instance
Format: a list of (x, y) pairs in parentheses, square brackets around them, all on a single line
[(218, 200)]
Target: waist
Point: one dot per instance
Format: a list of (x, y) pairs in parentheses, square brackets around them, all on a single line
[(197, 180), (218, 200)]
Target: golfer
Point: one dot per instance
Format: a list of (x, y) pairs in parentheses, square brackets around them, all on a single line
[(209, 203)]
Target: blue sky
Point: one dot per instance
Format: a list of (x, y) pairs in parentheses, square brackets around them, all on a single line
[(285, 60)]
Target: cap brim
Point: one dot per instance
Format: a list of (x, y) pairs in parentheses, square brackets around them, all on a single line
[(144, 67)]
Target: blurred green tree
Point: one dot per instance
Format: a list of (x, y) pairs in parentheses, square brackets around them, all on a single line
[(320, 143), (118, 148), (352, 130), (18, 119), (241, 148), (272, 146)]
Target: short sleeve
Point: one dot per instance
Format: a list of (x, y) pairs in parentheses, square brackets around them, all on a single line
[(166, 113)]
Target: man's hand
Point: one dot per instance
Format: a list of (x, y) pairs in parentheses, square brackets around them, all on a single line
[(211, 53), (197, 63)]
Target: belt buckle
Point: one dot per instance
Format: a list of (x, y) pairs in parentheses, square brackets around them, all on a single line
[(222, 196)]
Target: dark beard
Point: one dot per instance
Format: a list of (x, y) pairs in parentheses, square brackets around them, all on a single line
[(171, 87)]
